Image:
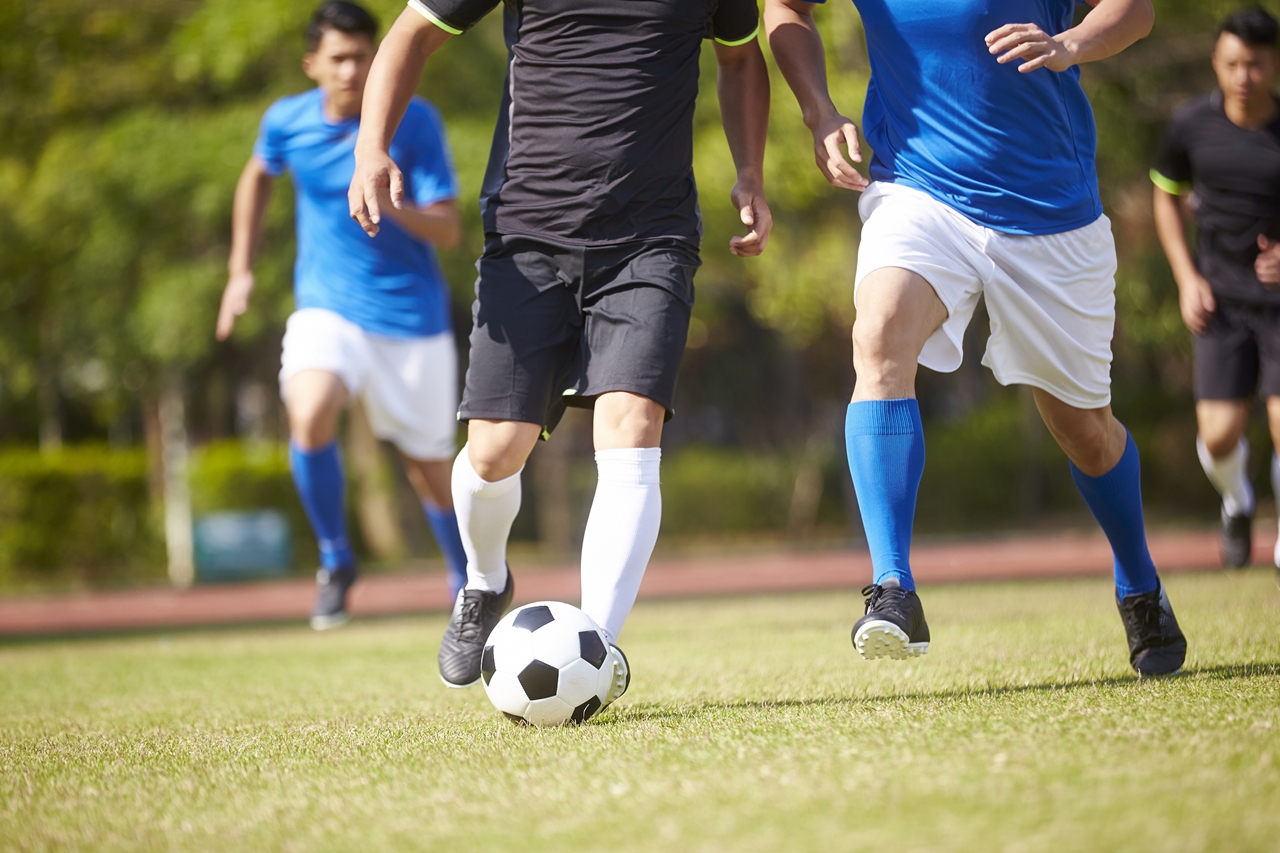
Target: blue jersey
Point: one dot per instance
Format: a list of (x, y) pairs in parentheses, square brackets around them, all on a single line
[(1014, 152), (391, 284)]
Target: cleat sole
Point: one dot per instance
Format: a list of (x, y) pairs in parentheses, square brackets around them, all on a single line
[(880, 639), (453, 686), (328, 623)]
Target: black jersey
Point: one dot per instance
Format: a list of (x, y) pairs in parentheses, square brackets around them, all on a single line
[(594, 142), (1235, 175)]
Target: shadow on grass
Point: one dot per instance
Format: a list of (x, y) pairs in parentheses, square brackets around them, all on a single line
[(1221, 672)]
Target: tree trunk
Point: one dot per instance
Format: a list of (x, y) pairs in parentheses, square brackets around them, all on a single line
[(48, 398), (550, 464), (177, 492), (374, 489)]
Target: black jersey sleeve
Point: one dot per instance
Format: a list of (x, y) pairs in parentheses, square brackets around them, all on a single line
[(1171, 171), (453, 16), (735, 22)]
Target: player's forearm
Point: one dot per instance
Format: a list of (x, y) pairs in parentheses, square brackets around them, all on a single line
[(440, 224), (1171, 229), (743, 87), (253, 192), (1109, 28), (393, 77), (797, 48)]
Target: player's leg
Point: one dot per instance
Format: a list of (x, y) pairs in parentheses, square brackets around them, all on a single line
[(898, 311), (430, 479), (314, 400), (1227, 362), (1224, 455), (1273, 421)]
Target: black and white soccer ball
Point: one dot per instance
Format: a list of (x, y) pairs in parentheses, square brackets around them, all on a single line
[(547, 664)]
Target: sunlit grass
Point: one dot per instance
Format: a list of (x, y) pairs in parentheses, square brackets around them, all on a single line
[(751, 725)]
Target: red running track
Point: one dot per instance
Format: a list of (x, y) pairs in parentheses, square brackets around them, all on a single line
[(1022, 557)]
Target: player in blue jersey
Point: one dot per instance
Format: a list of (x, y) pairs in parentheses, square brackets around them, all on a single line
[(372, 319), (982, 183)]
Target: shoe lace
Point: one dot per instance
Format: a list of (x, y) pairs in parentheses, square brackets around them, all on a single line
[(469, 618), (1146, 616), (882, 597)]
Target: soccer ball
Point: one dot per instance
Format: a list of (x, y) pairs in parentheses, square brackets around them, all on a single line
[(547, 664)]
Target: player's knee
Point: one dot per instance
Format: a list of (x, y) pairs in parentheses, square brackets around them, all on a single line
[(312, 425), (1220, 442), (496, 454)]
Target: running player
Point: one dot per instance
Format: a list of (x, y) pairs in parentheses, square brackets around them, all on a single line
[(586, 282), (372, 318), (1225, 147), (983, 183)]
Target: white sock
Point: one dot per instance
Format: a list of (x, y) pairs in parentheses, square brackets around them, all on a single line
[(621, 532), (1275, 490), (485, 512), (1229, 476)]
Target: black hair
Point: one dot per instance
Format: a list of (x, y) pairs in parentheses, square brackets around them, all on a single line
[(1253, 26), (341, 16)]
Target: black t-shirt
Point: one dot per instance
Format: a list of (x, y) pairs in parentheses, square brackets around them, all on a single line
[(1235, 176), (594, 142)]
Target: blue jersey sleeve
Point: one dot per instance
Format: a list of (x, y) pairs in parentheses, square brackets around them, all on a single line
[(428, 166), (270, 147)]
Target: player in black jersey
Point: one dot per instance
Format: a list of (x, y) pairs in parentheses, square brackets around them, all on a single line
[(591, 242), (1220, 165)]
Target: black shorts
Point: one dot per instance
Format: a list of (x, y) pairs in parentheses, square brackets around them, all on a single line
[(559, 325), (1239, 353)]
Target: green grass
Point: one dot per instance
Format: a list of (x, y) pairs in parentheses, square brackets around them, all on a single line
[(751, 725)]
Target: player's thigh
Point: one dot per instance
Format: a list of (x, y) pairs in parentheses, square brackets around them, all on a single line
[(1051, 301), (1273, 420), (411, 394), (526, 330), (430, 479), (636, 307), (1228, 358), (918, 279), (324, 359)]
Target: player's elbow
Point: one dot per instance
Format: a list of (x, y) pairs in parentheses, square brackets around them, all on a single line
[(1144, 18)]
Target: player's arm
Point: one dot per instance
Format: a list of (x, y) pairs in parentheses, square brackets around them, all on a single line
[(1267, 265), (253, 192), (439, 224), (392, 80), (1109, 28), (797, 47), (1195, 297), (743, 86)]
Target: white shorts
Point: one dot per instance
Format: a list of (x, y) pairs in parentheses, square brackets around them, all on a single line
[(409, 386), (1051, 298)]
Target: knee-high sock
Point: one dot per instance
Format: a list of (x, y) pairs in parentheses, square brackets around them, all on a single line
[(317, 475), (1230, 476), (444, 525), (485, 512), (1115, 499), (621, 532), (885, 441), (1275, 490)]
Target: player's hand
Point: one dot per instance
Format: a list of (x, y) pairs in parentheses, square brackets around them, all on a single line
[(375, 173), (235, 301), (828, 135), (1267, 264), (1195, 298), (1031, 44), (748, 197)]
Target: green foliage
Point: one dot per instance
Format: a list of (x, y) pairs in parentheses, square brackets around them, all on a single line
[(78, 516)]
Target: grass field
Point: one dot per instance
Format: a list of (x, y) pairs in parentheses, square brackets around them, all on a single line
[(751, 725)]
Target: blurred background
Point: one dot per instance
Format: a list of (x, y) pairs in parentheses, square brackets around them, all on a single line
[(123, 128)]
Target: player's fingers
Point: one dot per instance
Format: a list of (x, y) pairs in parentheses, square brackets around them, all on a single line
[(835, 157), (1038, 62), (397, 188), (850, 134), (746, 215), (1264, 243), (1026, 50)]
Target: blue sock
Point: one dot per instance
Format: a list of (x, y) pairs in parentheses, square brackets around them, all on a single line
[(317, 474), (444, 524), (885, 440), (1115, 499)]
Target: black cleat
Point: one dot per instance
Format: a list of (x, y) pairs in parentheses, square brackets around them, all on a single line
[(475, 613), (1156, 643), (894, 626), (1237, 540), (331, 597)]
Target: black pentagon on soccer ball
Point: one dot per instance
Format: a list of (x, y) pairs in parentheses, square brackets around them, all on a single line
[(586, 710), (593, 650), (487, 669), (539, 680), (533, 618)]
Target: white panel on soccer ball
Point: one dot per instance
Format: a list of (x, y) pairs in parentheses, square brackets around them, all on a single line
[(506, 693), (579, 681), (551, 711), (513, 649), (557, 644)]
